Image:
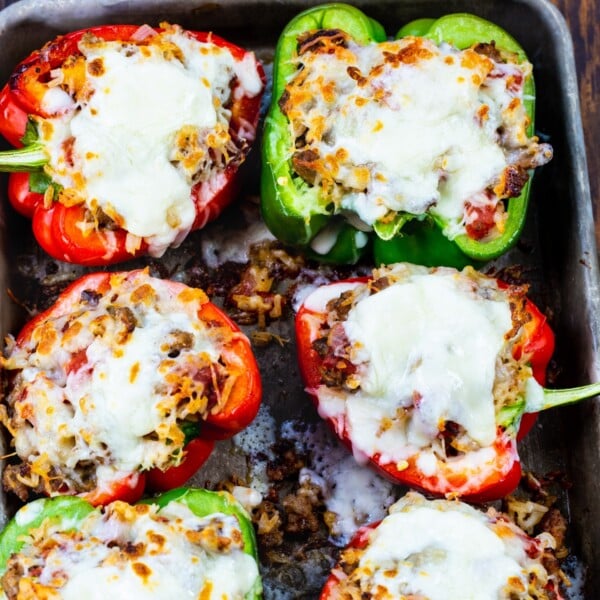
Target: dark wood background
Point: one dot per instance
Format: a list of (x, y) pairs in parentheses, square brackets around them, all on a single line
[(583, 18)]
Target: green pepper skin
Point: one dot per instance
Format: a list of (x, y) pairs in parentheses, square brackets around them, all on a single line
[(70, 511), (204, 502), (463, 31), (294, 211), (421, 243), (67, 510)]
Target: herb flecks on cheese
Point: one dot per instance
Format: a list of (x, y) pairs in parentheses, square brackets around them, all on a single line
[(134, 552), (139, 124), (406, 126), (102, 388)]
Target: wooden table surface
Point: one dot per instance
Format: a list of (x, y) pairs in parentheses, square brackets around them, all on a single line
[(583, 18)]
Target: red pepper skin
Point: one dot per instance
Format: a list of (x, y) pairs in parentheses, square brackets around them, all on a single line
[(25, 83), (58, 232), (538, 342), (246, 395), (57, 227), (539, 346), (20, 196), (359, 541), (498, 478), (13, 119), (241, 408), (130, 490), (196, 454)]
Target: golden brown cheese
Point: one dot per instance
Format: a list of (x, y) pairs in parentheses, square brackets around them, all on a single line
[(104, 389), (134, 552), (408, 126)]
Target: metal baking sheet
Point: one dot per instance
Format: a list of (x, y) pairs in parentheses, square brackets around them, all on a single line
[(557, 252)]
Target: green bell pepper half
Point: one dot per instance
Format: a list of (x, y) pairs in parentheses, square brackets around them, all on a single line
[(68, 512), (294, 210), (463, 31)]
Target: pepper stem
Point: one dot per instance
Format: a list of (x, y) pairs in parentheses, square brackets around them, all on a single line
[(29, 158), (554, 398)]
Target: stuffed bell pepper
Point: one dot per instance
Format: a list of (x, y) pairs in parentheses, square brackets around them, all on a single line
[(423, 144), (124, 383), (188, 543), (445, 550), (132, 137), (426, 373)]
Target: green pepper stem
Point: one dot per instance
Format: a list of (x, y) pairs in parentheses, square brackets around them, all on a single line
[(28, 158), (554, 398)]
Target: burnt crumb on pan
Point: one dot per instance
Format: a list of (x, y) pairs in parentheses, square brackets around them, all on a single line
[(264, 338), (256, 298), (555, 523), (291, 522), (287, 463), (268, 520), (534, 508), (292, 535), (544, 488), (12, 481), (303, 510), (254, 293), (215, 282), (512, 274)]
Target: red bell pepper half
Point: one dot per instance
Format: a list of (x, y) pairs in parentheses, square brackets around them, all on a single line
[(425, 563), (326, 364), (67, 230), (123, 365)]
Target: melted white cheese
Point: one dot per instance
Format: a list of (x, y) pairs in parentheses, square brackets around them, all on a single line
[(169, 565), (332, 469), (124, 134), (120, 419), (105, 411), (257, 441), (442, 551), (409, 138), (428, 342)]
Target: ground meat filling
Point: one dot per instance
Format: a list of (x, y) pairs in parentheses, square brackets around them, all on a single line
[(339, 372), (327, 106)]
